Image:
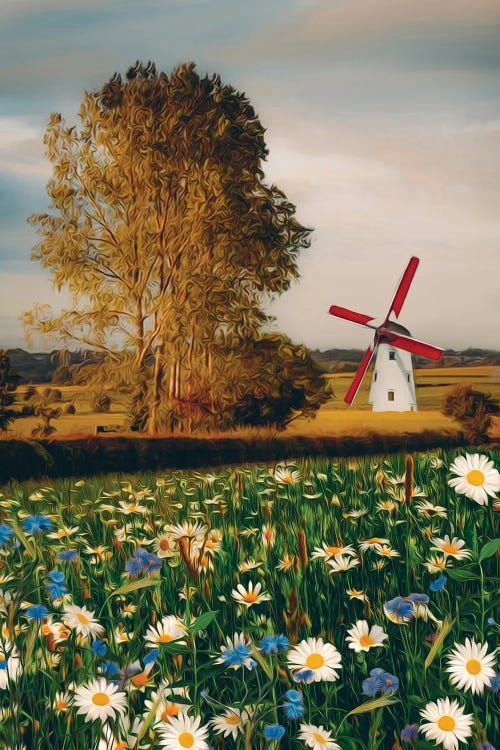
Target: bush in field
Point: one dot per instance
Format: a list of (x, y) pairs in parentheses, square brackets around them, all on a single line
[(101, 403), (43, 405), (473, 410), (8, 384), (71, 409)]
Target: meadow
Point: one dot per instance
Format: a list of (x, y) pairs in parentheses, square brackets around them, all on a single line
[(334, 418), (325, 604)]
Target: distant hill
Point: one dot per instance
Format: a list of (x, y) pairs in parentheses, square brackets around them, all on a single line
[(46, 367)]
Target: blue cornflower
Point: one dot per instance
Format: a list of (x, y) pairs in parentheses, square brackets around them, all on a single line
[(379, 681), (151, 562), (495, 683), (57, 576), (237, 656), (409, 733), (419, 598), (485, 746), (152, 656), (133, 566), (98, 647), (274, 731), (110, 667), (294, 696), (399, 609), (293, 710), (68, 555), (491, 621), (57, 590), (304, 675), (271, 644), (37, 612), (439, 583), (35, 524), (5, 533)]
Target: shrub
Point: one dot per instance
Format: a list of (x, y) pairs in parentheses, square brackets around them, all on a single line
[(473, 410), (101, 403)]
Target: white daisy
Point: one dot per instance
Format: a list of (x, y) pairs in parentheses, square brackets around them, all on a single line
[(10, 665), (82, 620), (436, 564), (100, 700), (327, 551), (372, 543), (451, 547), (446, 723), (476, 477), (286, 475), (230, 722), (429, 510), (163, 702), (321, 658), (340, 564), (385, 550), (184, 732), (250, 596), (189, 530), (317, 738), (167, 630), (470, 667), (362, 638)]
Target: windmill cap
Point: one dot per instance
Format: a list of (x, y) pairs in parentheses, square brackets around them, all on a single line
[(397, 328)]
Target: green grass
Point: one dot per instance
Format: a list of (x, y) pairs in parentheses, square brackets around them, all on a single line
[(270, 519)]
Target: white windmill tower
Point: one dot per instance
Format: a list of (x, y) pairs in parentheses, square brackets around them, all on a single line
[(393, 386)]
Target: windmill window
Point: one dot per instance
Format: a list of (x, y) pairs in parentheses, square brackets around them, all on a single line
[(390, 395), (392, 354), (408, 376), (375, 376)]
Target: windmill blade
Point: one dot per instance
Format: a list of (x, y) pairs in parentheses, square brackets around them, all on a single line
[(409, 344), (365, 362), (354, 317), (403, 286)]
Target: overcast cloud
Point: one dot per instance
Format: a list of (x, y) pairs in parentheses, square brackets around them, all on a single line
[(383, 126)]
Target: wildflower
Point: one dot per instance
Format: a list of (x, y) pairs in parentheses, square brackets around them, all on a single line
[(385, 550), (35, 524), (288, 564), (341, 564), (435, 564), (10, 664), (151, 656), (429, 510), (446, 723), (250, 564), (439, 584), (184, 731), (387, 506), (322, 658), (189, 530), (98, 647), (37, 612), (272, 644), (293, 705), (304, 675), (100, 700), (372, 543), (268, 535), (98, 554), (167, 630), (379, 681), (131, 508), (409, 733), (252, 595), (286, 475), (327, 551), (110, 668), (61, 703), (485, 746), (230, 722), (82, 620), (68, 555), (451, 548), (476, 477), (237, 653), (362, 638), (495, 683), (133, 566), (64, 532), (317, 738), (357, 594), (164, 702), (274, 732), (399, 610), (470, 666), (5, 534), (164, 545)]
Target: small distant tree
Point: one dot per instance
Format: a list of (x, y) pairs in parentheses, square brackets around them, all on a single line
[(44, 407), (473, 410), (101, 403), (9, 380)]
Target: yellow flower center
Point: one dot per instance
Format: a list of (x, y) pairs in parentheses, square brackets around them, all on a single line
[(314, 661), (250, 597), (446, 723), (373, 540), (334, 550), (475, 477), (232, 719), (165, 638), (319, 738), (2, 658), (473, 666), (61, 705), (100, 699), (450, 549), (186, 739), (164, 544), (81, 618), (366, 640)]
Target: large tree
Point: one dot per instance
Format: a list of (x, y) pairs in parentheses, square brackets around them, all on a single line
[(166, 236)]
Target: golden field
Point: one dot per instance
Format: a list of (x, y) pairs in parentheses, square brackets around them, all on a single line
[(334, 418)]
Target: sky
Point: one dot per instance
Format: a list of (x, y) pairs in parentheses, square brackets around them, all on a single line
[(382, 121)]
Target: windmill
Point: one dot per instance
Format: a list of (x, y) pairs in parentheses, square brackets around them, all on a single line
[(393, 386)]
